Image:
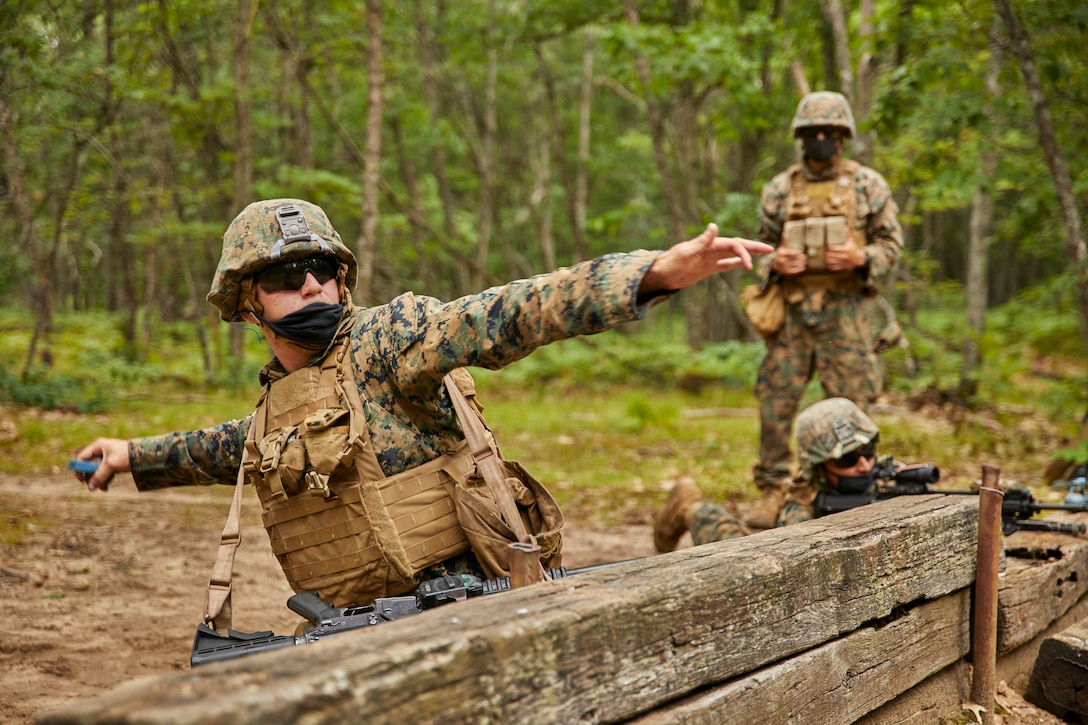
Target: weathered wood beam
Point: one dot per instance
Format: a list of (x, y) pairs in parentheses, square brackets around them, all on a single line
[(1059, 681), (599, 647), (841, 681), (1046, 574)]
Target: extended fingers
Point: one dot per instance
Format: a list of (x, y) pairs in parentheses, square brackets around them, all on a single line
[(741, 251)]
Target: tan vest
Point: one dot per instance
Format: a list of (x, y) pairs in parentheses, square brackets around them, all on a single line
[(820, 214), (337, 524)]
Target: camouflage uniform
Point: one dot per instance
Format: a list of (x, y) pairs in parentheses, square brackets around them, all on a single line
[(825, 431), (400, 352), (827, 331)]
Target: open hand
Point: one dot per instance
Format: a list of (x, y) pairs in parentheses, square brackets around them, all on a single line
[(686, 263)]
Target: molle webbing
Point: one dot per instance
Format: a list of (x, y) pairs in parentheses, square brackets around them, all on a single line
[(344, 529), (305, 533), (835, 197)]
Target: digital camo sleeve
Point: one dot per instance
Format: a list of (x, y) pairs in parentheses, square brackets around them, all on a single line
[(199, 457)]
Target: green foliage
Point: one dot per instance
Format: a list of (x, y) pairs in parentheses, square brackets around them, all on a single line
[(646, 358), (50, 392), (123, 119), (1077, 454)]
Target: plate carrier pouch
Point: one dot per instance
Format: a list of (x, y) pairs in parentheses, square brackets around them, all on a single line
[(819, 214), (337, 524)]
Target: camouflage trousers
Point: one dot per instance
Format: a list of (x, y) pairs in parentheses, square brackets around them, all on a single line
[(713, 522), (834, 342)]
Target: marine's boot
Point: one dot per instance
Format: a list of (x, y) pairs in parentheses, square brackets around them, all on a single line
[(673, 520), (762, 514)]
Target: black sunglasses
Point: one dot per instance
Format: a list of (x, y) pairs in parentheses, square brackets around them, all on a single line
[(827, 131), (291, 275), (851, 459)]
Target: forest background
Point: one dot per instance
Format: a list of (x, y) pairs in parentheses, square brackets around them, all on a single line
[(459, 145)]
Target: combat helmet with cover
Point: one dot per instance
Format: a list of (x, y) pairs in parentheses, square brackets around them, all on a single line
[(824, 108), (828, 430), (271, 231)]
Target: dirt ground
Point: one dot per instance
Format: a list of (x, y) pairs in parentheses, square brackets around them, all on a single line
[(108, 588)]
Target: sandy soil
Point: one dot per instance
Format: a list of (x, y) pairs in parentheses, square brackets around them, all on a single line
[(107, 588)]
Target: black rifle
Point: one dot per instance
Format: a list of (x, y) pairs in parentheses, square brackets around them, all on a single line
[(1017, 507), (323, 619)]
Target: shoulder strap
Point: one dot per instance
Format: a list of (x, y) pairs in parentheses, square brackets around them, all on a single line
[(217, 610), (486, 460)]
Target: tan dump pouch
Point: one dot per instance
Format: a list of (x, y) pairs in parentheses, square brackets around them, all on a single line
[(765, 307), (488, 532), (370, 538)]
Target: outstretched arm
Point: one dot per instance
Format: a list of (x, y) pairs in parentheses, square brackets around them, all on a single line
[(688, 262)]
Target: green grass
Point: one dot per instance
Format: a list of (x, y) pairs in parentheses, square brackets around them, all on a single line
[(612, 453)]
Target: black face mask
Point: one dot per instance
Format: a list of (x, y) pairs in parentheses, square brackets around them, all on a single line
[(312, 327), (848, 485), (820, 149)]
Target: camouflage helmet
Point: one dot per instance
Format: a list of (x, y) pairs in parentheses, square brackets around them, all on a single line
[(270, 231), (824, 108), (828, 430)]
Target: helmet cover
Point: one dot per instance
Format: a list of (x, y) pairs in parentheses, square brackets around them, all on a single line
[(271, 231), (824, 108), (828, 430)]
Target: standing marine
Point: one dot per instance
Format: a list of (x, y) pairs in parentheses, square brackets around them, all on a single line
[(833, 224)]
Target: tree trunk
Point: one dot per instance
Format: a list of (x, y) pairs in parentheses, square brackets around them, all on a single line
[(429, 52), (862, 147), (485, 159), (558, 144), (836, 21), (978, 243), (24, 219), (657, 136), (1074, 226), (540, 196), (372, 154), (243, 147), (581, 248), (424, 266), (295, 103)]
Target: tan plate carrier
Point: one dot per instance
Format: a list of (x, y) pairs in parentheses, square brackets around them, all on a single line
[(336, 523)]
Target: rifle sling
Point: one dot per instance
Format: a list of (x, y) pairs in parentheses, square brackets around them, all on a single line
[(217, 605), (487, 462), (490, 468)]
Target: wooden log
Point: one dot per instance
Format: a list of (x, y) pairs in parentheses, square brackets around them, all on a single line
[(1046, 574), (1015, 667), (939, 698), (602, 646), (841, 681), (1059, 680)]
